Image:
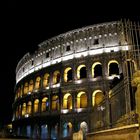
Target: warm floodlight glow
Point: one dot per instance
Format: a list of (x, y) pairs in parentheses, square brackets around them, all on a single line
[(125, 48), (80, 110), (97, 97), (26, 115), (64, 111), (68, 57), (54, 86)]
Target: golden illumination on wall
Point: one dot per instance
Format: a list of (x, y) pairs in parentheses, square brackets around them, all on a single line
[(21, 91), (37, 82), (66, 74), (26, 88), (115, 69), (44, 102), (36, 106), (81, 100), (110, 93), (93, 68), (55, 102), (70, 124), (97, 97), (29, 107), (46, 80), (79, 70), (31, 86), (67, 101), (23, 109), (56, 77), (18, 92)]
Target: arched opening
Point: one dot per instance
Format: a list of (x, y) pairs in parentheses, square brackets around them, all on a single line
[(56, 77), (81, 100), (28, 129), (36, 106), (36, 132), (44, 131), (46, 80), (54, 132), (96, 69), (55, 103), (68, 74), (37, 83), (67, 129), (21, 91), (113, 68), (18, 93), (23, 109), (45, 104), (29, 107), (31, 86), (97, 97), (81, 72), (67, 101), (26, 88)]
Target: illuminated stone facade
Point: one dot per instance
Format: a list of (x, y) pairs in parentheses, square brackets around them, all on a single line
[(62, 84)]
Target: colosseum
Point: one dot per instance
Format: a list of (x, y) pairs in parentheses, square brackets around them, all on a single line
[(85, 78)]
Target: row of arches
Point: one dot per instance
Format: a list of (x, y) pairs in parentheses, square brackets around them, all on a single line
[(45, 131), (113, 69), (54, 104)]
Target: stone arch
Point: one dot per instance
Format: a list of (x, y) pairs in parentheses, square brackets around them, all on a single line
[(54, 131), (23, 109), (29, 107), (96, 69), (36, 105), (31, 86), (97, 97), (22, 92), (26, 88), (45, 104), (113, 68), (37, 83), (46, 80), (68, 74), (81, 100), (81, 71), (56, 77), (67, 101), (55, 102), (44, 131), (67, 129), (18, 93)]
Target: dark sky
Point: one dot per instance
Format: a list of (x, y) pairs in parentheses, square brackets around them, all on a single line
[(26, 25)]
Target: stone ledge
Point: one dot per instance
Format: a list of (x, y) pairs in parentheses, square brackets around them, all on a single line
[(129, 132)]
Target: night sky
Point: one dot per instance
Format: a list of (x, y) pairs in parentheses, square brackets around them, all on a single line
[(26, 25)]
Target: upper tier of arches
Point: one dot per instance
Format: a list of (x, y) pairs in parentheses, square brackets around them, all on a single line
[(53, 79), (92, 40)]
